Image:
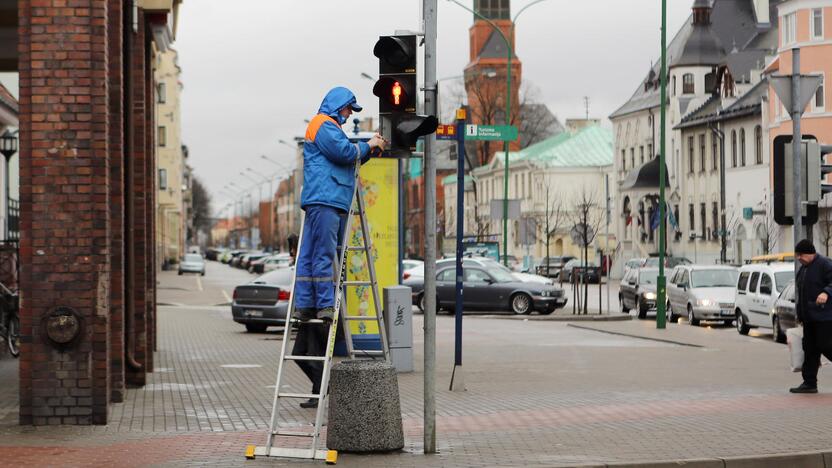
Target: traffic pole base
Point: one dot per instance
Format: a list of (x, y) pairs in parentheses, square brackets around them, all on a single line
[(457, 380)]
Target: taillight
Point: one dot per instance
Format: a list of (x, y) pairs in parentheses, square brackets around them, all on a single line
[(406, 275), (283, 295), (235, 294)]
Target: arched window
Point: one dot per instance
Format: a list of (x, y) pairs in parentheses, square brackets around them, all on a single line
[(742, 147), (687, 84), (733, 148), (758, 144), (674, 85)]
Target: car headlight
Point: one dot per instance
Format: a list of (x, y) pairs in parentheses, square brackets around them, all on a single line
[(650, 295), (706, 302), (545, 293)]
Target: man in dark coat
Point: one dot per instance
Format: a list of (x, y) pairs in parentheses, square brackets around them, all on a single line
[(814, 310)]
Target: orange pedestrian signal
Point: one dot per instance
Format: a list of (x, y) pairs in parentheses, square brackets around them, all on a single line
[(397, 93)]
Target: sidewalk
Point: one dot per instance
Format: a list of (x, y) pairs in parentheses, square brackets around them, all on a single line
[(539, 394)]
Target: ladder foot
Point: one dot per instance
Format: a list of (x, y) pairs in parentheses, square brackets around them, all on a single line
[(250, 452), (331, 457)]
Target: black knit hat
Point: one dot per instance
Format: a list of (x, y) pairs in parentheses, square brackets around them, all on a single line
[(804, 247)]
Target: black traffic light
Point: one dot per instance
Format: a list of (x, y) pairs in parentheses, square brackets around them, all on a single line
[(783, 189), (817, 170), (397, 92)]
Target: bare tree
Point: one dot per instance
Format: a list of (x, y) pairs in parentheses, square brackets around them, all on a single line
[(587, 216), (201, 213), (767, 233), (825, 227), (553, 217)]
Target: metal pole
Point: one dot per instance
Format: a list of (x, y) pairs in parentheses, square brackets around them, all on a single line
[(457, 380), (606, 258), (505, 152), (797, 150), (8, 192), (429, 15), (660, 282)]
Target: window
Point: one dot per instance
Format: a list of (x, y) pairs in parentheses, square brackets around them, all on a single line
[(742, 147), (632, 157), (162, 136), (820, 102), (650, 151), (161, 94), (790, 29), (703, 216), (476, 276), (687, 84), (733, 148), (752, 286), (702, 153), (714, 152), (715, 215), (674, 85), (447, 276), (691, 218), (691, 158), (758, 144), (742, 282), (641, 154), (676, 215), (817, 23), (163, 179), (765, 284), (623, 160)]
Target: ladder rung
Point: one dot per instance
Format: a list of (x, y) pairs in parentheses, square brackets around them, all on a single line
[(357, 283), (354, 248), (309, 321), (368, 352), (305, 358), (292, 434), (359, 318), (299, 395)]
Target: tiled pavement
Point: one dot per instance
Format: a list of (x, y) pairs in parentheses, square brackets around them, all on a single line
[(539, 394)]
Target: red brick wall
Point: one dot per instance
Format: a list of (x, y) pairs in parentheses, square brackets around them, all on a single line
[(65, 212)]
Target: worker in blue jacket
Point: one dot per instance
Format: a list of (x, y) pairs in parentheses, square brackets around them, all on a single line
[(329, 160)]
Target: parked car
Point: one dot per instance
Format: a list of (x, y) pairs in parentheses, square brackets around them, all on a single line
[(758, 286), (513, 264), (783, 315), (245, 260), (214, 253), (281, 260), (264, 301), (638, 291), (192, 263), (229, 255), (530, 278), (410, 263), (702, 292), (634, 263), (669, 262), (575, 268), (552, 266), (489, 289), (236, 256), (771, 258)]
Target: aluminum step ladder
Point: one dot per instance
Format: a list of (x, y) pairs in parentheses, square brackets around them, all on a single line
[(278, 430)]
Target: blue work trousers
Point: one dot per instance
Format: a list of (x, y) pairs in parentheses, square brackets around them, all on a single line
[(323, 232)]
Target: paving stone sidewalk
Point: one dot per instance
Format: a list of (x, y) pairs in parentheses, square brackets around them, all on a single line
[(539, 394)]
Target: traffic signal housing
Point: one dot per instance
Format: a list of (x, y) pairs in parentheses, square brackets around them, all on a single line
[(817, 170), (812, 183), (397, 91)]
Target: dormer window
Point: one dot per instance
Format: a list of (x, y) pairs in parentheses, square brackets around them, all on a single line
[(687, 84)]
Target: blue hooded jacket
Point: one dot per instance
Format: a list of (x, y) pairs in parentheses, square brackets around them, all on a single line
[(328, 155)]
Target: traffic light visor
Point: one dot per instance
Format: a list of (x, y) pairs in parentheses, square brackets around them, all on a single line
[(412, 127), (395, 51)]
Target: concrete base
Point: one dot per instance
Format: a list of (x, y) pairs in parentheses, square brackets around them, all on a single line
[(457, 380), (364, 409)]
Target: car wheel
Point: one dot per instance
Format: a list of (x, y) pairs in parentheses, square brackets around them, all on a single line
[(669, 313), (421, 302), (13, 337), (256, 327), (624, 309), (642, 312), (180, 273), (521, 304), (203, 273), (777, 331), (692, 320), (742, 325)]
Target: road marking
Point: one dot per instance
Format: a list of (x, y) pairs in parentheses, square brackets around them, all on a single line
[(227, 297), (199, 282)]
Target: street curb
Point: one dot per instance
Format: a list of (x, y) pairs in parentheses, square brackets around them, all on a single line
[(793, 460), (641, 337), (560, 318)]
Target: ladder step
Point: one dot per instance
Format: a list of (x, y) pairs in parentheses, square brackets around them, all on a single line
[(292, 434), (359, 318), (355, 248), (299, 395), (368, 352), (357, 283), (305, 358), (309, 321)]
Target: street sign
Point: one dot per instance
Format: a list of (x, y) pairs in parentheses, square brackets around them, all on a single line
[(446, 132), (809, 85), (491, 132)]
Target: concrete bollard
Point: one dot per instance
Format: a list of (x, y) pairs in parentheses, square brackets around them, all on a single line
[(364, 409)]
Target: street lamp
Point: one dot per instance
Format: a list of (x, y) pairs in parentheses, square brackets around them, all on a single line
[(8, 147), (280, 165), (510, 52)]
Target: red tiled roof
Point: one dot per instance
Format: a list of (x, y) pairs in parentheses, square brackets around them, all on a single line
[(7, 99)]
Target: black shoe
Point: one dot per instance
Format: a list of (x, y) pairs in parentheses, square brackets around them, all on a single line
[(304, 315), (327, 313), (804, 388), (310, 403)]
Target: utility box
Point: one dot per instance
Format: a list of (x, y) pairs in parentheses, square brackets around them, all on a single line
[(398, 321)]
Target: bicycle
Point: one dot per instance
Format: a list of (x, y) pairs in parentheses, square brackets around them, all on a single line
[(10, 323)]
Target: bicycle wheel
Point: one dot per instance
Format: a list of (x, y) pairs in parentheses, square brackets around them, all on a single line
[(13, 338)]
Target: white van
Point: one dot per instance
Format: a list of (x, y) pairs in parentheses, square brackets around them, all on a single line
[(757, 288)]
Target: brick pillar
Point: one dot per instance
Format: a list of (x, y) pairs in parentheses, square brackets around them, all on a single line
[(65, 210), (117, 208), (150, 204), (141, 112)]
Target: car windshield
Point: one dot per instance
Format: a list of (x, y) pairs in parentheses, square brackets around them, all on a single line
[(501, 275), (648, 276), (193, 258), (783, 279), (713, 278), (279, 277)]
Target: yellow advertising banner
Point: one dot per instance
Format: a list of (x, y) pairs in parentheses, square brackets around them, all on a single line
[(379, 187)]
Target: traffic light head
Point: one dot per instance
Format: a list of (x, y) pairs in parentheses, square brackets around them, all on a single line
[(396, 93), (396, 54)]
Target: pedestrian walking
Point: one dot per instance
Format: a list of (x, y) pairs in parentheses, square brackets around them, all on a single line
[(329, 160), (814, 311)]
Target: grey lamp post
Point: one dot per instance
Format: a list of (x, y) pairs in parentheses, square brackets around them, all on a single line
[(8, 146)]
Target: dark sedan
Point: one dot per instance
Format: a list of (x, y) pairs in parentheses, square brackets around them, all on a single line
[(264, 301), (783, 315), (638, 291), (489, 290)]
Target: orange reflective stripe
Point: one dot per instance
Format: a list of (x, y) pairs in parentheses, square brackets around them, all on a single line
[(315, 125)]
